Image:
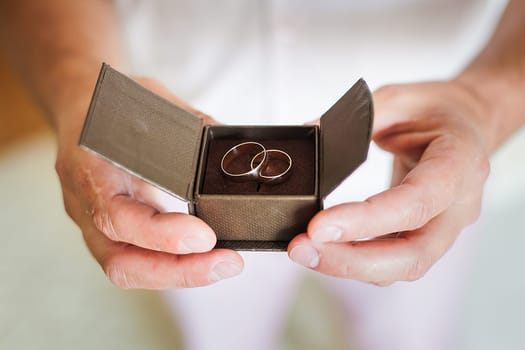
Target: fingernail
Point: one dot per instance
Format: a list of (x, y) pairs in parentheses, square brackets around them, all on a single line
[(328, 234), (305, 255), (194, 244), (223, 270)]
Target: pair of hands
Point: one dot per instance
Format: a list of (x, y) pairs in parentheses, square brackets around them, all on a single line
[(438, 133)]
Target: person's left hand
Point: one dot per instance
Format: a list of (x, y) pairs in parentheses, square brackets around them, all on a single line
[(440, 136), (128, 225)]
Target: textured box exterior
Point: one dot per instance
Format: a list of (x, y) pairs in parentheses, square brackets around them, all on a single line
[(258, 221), (168, 147)]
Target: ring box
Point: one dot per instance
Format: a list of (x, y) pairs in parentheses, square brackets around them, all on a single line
[(173, 150)]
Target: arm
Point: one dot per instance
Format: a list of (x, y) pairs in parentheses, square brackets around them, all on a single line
[(58, 47), (497, 75), (441, 135)]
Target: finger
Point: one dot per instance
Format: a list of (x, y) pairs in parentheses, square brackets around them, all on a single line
[(156, 198), (399, 172), (383, 261), (133, 267), (313, 122), (127, 220), (391, 103), (426, 191), (129, 266)]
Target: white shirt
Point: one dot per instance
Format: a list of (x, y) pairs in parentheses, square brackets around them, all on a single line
[(288, 61)]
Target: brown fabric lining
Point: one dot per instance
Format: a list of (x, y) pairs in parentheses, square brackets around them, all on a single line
[(300, 182)]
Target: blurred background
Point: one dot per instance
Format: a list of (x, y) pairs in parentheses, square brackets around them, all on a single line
[(53, 295)]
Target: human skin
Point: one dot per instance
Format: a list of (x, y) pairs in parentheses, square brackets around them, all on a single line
[(137, 244), (441, 135)]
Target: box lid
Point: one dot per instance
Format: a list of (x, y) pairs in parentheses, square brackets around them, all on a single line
[(345, 136), (143, 133)]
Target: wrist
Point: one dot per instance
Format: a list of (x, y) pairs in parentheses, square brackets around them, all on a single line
[(68, 101), (500, 94)]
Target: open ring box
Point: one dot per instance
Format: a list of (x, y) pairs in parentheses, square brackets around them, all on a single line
[(170, 148)]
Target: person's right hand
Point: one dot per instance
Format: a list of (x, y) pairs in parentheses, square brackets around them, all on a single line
[(125, 227)]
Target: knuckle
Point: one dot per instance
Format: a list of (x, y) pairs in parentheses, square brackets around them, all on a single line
[(382, 283), (69, 209), (184, 280), (118, 276), (417, 215), (344, 269), (483, 168), (474, 212), (103, 223), (389, 91), (69, 173), (61, 169), (65, 172), (348, 270), (479, 169), (417, 268)]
